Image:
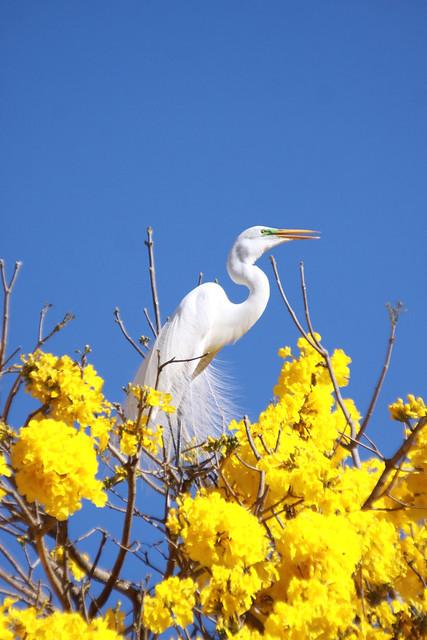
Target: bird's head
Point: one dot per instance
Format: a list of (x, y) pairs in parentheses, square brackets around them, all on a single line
[(253, 242)]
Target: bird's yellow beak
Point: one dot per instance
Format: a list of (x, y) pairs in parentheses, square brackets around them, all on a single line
[(297, 234)]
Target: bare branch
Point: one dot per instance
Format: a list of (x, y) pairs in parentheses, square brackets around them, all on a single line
[(99, 602), (152, 270), (25, 594), (391, 463), (394, 313), (7, 290), (120, 322), (43, 314), (14, 563), (250, 439), (101, 575), (68, 317), (150, 322), (47, 564), (12, 355), (288, 306)]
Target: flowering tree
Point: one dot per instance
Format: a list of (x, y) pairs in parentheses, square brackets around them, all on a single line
[(275, 530)]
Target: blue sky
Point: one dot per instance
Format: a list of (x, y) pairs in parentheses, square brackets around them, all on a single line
[(203, 119)]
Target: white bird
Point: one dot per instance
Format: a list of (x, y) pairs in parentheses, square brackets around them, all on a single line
[(206, 321)]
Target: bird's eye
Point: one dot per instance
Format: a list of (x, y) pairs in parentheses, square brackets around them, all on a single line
[(264, 232)]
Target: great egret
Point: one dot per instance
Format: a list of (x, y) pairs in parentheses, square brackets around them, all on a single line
[(205, 322)]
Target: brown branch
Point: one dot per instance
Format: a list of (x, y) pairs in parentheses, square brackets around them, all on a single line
[(150, 322), (152, 270), (14, 564), (101, 575), (288, 306), (21, 589), (391, 463), (49, 571), (68, 317), (394, 313), (43, 314), (7, 291), (98, 555), (99, 602), (250, 439), (120, 322), (11, 395), (9, 358)]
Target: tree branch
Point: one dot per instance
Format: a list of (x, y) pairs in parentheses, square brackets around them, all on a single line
[(391, 463), (7, 290), (152, 270), (394, 313)]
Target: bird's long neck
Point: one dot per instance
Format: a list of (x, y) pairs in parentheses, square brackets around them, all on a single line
[(248, 312)]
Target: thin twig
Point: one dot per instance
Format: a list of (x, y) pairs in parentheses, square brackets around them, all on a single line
[(288, 306), (394, 313), (7, 290), (391, 463), (43, 313), (98, 555), (152, 270), (150, 322), (250, 439), (68, 317), (9, 358), (48, 569), (99, 602), (120, 322), (101, 575)]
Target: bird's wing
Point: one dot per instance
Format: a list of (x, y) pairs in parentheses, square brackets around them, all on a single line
[(176, 352), (183, 351)]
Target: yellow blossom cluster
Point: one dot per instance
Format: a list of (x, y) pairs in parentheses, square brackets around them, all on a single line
[(69, 391), (149, 397), (230, 544), (172, 604), (28, 624), (283, 546), (56, 465), (279, 540), (413, 409), (141, 433), (135, 434)]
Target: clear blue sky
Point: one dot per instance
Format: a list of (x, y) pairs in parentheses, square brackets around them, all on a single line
[(202, 119)]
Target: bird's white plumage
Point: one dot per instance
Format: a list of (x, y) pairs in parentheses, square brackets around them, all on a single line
[(204, 322)]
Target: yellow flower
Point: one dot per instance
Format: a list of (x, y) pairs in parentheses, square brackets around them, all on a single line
[(134, 435), (72, 393), (230, 592), (56, 464), (172, 603), (218, 532), (29, 624), (4, 471), (414, 408), (149, 397), (115, 618), (58, 554)]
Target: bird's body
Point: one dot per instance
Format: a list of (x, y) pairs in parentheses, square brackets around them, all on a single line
[(206, 321)]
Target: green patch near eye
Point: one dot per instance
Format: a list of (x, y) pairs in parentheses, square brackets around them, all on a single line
[(268, 232)]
